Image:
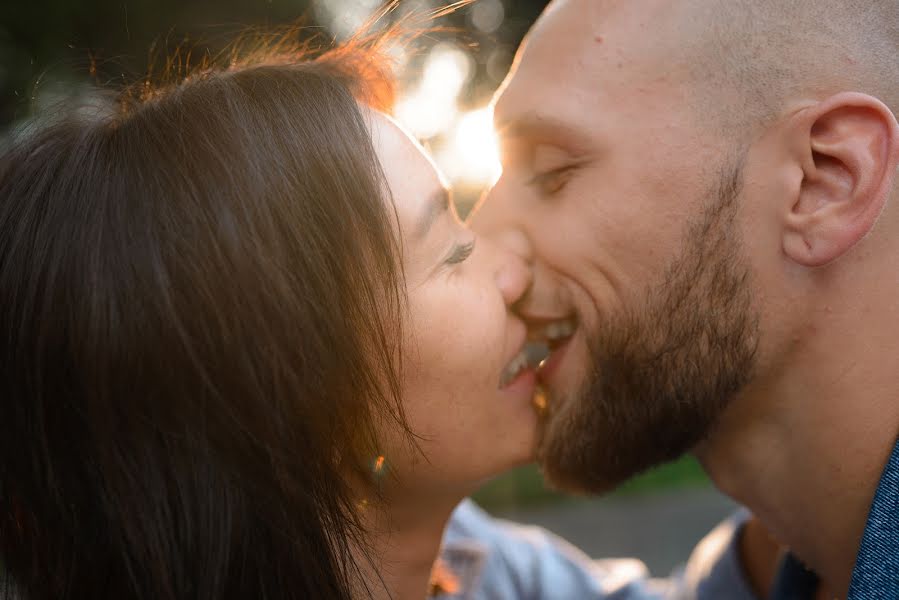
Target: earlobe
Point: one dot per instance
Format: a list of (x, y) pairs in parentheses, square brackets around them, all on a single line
[(798, 249), (848, 154)]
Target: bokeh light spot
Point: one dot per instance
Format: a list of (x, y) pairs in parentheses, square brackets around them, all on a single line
[(472, 155), (487, 15), (430, 109)]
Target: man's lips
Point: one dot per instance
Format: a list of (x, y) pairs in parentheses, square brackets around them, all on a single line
[(543, 338), (554, 336), (550, 365)]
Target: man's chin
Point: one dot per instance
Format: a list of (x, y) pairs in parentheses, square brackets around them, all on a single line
[(568, 452), (564, 480), (591, 443)]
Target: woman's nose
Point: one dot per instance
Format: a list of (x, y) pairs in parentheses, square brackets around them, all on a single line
[(514, 240)]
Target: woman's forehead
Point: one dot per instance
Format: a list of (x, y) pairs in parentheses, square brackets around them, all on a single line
[(410, 172), (391, 141)]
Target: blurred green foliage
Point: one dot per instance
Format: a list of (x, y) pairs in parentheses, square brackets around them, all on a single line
[(524, 487)]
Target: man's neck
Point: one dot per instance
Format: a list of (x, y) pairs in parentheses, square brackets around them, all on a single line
[(806, 448)]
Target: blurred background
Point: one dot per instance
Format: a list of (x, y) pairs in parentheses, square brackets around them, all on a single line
[(55, 49), (49, 48)]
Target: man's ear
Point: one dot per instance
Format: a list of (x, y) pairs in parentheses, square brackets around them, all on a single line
[(848, 147)]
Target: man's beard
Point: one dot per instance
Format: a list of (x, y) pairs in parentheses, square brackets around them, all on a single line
[(662, 375)]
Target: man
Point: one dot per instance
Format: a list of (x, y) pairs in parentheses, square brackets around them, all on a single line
[(706, 189)]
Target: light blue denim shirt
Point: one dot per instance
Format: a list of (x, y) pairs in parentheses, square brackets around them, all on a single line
[(501, 560)]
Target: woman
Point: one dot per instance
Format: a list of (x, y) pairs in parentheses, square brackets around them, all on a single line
[(248, 350), (247, 343)]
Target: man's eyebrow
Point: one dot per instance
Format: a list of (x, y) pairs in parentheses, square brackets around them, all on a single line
[(537, 126), (437, 204)]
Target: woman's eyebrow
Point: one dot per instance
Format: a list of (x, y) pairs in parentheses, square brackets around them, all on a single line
[(437, 204)]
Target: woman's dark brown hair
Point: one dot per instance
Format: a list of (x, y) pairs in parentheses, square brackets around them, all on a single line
[(200, 300)]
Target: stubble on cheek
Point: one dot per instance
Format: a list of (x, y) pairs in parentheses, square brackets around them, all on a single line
[(661, 375)]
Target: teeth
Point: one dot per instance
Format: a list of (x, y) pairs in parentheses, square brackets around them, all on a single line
[(558, 330), (537, 349), (514, 368), (531, 355)]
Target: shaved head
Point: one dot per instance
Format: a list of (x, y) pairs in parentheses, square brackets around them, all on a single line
[(729, 148), (707, 188), (751, 57)]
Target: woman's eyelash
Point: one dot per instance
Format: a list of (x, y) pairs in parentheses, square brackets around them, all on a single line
[(460, 253)]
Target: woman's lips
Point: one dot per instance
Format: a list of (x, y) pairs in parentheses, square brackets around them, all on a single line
[(545, 346), (525, 380), (531, 357)]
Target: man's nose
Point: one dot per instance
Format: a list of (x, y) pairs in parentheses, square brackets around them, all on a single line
[(495, 219), (514, 275), (493, 213), (546, 298), (515, 241)]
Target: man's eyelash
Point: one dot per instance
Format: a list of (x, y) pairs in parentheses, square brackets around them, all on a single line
[(542, 179), (460, 254)]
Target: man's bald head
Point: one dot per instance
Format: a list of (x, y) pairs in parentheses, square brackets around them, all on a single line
[(699, 181), (751, 57)]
